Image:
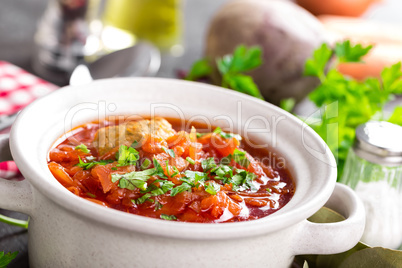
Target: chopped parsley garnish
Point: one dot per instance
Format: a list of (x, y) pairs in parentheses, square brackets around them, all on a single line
[(190, 160), (91, 195), (127, 156), (212, 187), (223, 173), (240, 158), (164, 187), (142, 199), (158, 206), (90, 165), (82, 147), (145, 164), (134, 179), (243, 180), (181, 188), (194, 178), (199, 135), (208, 164), (159, 170), (225, 135), (168, 217), (170, 152), (132, 184), (176, 171)]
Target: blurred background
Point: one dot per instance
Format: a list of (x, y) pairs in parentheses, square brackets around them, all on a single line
[(19, 20)]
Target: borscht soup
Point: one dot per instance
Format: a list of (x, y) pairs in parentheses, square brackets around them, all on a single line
[(157, 168)]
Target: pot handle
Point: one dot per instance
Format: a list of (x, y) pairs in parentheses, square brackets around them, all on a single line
[(14, 195), (337, 237)]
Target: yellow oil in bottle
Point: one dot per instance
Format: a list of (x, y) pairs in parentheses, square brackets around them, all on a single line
[(158, 21)]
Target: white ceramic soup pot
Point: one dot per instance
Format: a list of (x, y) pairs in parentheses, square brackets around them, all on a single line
[(68, 231)]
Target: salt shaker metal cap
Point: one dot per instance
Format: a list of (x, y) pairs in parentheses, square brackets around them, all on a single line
[(379, 142)]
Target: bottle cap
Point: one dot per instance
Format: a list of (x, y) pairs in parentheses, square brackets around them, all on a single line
[(379, 142)]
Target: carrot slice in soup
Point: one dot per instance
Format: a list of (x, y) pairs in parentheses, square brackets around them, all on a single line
[(60, 174), (103, 174)]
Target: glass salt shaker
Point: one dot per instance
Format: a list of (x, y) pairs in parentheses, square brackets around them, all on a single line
[(374, 170)]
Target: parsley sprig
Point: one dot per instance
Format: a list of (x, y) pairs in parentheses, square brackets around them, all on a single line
[(346, 102), (232, 69), (90, 164), (6, 258)]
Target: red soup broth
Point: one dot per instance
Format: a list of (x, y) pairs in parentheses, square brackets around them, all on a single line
[(161, 169)]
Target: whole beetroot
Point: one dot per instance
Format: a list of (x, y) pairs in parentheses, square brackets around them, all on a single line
[(287, 35)]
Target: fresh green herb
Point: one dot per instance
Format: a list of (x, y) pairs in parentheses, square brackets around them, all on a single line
[(135, 179), (158, 206), (127, 156), (164, 187), (396, 117), (200, 69), (243, 180), (225, 135), (240, 158), (15, 222), (191, 161), (159, 170), (89, 165), (153, 190), (346, 52), (315, 66), (135, 175), (82, 147), (231, 68), (176, 171), (208, 164), (168, 217), (288, 104), (114, 168), (91, 195), (145, 164), (6, 258), (181, 188), (223, 173), (212, 187), (132, 184), (143, 199), (194, 178), (217, 130), (170, 152), (199, 135), (346, 103)]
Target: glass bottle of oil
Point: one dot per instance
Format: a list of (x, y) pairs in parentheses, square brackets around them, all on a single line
[(158, 21)]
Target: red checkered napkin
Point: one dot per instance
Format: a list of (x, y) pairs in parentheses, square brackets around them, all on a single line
[(18, 88)]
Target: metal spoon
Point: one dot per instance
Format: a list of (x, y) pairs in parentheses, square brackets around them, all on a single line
[(142, 59)]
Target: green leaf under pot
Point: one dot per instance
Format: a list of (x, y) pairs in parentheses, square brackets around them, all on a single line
[(359, 256)]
